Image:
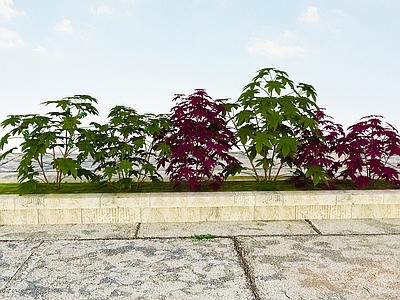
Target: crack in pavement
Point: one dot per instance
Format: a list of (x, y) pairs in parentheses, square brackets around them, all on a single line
[(313, 226), (24, 263), (184, 237), (246, 268), (137, 230)]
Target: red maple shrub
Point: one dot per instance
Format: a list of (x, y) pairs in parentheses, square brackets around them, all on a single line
[(196, 147), (368, 148), (364, 154), (317, 156)]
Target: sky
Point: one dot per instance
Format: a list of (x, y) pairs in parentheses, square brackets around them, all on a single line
[(139, 53)]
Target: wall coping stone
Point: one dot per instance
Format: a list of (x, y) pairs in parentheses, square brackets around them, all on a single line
[(197, 206)]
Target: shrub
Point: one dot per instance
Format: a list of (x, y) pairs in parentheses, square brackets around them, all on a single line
[(368, 148), (317, 155), (196, 148), (269, 117), (123, 149), (53, 135)]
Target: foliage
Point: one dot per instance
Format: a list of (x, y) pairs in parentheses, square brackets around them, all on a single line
[(52, 135), (200, 237), (122, 149), (276, 124), (269, 116), (317, 155), (196, 148), (367, 148)]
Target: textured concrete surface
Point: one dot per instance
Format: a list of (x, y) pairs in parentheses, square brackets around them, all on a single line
[(346, 267), (68, 232), (244, 228), (308, 259), (371, 226), (140, 269)]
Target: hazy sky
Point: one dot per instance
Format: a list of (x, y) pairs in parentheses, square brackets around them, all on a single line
[(139, 53)]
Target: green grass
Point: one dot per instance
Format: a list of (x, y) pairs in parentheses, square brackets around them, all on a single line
[(8, 188), (148, 187), (200, 237)]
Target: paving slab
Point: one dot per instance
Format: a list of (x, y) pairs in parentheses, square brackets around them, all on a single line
[(134, 269), (325, 267), (67, 232), (12, 257), (367, 226), (252, 228), (352, 259)]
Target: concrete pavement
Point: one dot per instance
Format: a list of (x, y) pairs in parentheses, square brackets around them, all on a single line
[(302, 259)]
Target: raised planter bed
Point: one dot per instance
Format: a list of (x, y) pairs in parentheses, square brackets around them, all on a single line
[(197, 207)]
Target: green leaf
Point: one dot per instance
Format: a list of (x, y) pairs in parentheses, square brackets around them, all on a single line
[(307, 122), (228, 107), (12, 120), (288, 107), (149, 168), (70, 124), (139, 142), (88, 174), (163, 149), (110, 171), (4, 140), (252, 153), (263, 72), (67, 166), (284, 79), (4, 155), (59, 103), (244, 116), (273, 85), (262, 139), (318, 174), (124, 165), (309, 90), (245, 133), (274, 120), (287, 145)]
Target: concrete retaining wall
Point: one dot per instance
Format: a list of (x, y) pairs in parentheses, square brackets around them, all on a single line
[(197, 207)]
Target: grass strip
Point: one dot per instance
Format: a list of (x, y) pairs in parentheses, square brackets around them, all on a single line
[(149, 187)]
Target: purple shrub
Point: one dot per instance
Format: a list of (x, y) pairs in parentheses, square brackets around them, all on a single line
[(368, 147), (196, 149), (317, 155)]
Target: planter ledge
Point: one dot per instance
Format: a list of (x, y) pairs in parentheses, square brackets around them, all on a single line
[(197, 207)]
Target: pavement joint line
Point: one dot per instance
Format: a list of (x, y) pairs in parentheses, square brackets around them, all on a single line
[(187, 237), (24, 263), (362, 234), (137, 230), (243, 235), (313, 226), (240, 251)]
